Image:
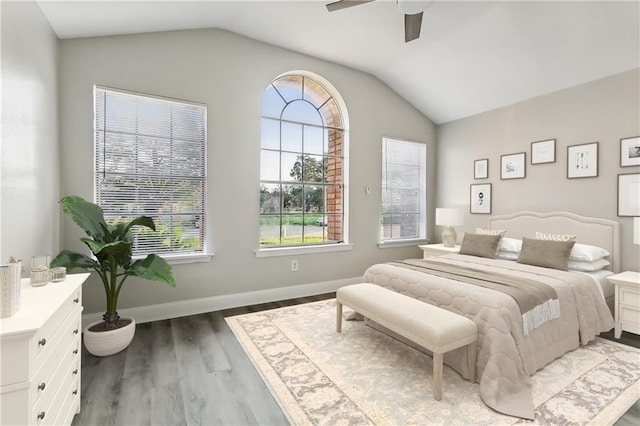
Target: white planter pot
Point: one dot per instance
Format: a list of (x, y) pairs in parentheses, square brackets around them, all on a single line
[(105, 343)]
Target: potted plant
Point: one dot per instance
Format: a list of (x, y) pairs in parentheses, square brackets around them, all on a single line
[(111, 245)]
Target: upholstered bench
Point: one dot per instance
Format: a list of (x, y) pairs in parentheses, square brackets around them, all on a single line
[(431, 327)]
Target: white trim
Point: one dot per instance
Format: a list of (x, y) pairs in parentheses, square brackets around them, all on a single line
[(177, 259), (402, 243), (288, 251), (182, 308)]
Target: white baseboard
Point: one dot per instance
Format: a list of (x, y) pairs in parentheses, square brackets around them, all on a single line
[(183, 308)]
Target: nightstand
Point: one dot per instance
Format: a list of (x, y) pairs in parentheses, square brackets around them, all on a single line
[(627, 308), (434, 250)]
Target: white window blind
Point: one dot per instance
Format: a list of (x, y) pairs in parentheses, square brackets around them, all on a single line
[(150, 159), (404, 193)]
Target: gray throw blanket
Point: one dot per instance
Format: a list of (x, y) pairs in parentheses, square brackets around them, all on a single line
[(538, 302)]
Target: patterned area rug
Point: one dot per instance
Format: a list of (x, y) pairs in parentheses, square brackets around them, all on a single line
[(362, 376)]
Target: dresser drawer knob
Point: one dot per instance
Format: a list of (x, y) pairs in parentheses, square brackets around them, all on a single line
[(41, 386), (75, 392), (75, 352), (75, 331), (75, 371), (42, 342), (76, 300), (41, 415)]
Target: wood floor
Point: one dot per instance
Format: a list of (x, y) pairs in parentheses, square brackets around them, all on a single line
[(193, 371)]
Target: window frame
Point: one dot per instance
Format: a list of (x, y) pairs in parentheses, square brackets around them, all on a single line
[(422, 190), (315, 247), (202, 254)]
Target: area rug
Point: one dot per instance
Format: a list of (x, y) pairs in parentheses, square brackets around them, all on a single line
[(362, 376)]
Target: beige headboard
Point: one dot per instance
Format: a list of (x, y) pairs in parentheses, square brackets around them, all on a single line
[(599, 232)]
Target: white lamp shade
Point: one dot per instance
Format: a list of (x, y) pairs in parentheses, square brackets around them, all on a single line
[(449, 217), (636, 230)]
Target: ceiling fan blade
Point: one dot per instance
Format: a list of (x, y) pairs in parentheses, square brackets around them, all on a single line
[(343, 4), (412, 25)]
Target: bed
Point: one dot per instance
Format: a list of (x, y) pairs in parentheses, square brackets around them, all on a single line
[(507, 353)]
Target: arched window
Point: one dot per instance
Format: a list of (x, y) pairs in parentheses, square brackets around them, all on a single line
[(302, 163)]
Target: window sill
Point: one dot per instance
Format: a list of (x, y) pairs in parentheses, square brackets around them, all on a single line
[(178, 259), (402, 243), (289, 251)]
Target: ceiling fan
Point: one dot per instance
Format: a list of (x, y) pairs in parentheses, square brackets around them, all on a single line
[(412, 21)]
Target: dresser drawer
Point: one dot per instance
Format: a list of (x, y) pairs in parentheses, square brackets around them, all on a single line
[(44, 340), (70, 405), (629, 297), (47, 382), (46, 412), (630, 315)]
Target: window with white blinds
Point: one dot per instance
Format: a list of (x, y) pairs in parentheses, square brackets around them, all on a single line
[(150, 159), (404, 193)]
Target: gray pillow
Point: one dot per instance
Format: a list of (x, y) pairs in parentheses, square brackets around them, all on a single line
[(480, 245), (548, 254)]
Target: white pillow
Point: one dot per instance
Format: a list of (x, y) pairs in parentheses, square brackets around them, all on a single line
[(596, 265), (510, 244), (585, 252), (483, 231), (507, 255), (555, 237)]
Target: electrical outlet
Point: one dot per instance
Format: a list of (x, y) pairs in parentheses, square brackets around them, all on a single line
[(294, 265)]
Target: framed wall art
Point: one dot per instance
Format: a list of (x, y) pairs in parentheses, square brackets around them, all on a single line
[(629, 194), (480, 198), (582, 160), (630, 151), (481, 169), (543, 151), (512, 166)]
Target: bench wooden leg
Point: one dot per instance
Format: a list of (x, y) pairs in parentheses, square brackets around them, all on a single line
[(437, 376), (471, 361), (338, 317)]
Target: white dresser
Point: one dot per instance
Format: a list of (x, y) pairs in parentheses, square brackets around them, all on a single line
[(40, 362)]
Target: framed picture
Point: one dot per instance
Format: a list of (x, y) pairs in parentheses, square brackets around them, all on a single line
[(582, 160), (630, 151), (629, 194), (512, 166), (481, 169), (480, 198), (543, 151)]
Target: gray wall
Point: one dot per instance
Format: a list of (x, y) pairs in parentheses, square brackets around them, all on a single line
[(229, 73), (29, 183), (604, 111)]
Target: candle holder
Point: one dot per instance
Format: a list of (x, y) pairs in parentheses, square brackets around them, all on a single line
[(40, 270)]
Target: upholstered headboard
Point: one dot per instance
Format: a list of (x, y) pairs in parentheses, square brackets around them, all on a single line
[(599, 232)]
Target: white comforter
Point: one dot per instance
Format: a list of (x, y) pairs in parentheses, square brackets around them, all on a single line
[(506, 357)]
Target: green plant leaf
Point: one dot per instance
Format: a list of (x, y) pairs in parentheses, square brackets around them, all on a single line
[(86, 215), (142, 221), (72, 260), (117, 249), (153, 268)]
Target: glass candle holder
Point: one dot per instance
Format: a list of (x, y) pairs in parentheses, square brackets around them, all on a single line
[(40, 269), (57, 274)]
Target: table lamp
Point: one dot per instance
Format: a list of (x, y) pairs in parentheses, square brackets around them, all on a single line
[(636, 230), (449, 218)]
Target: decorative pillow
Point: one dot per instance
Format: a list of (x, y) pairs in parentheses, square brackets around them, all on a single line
[(480, 245), (596, 265), (510, 245), (554, 237), (482, 231), (588, 253), (548, 254), (507, 255)]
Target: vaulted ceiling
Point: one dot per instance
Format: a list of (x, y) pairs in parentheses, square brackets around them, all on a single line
[(472, 56)]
